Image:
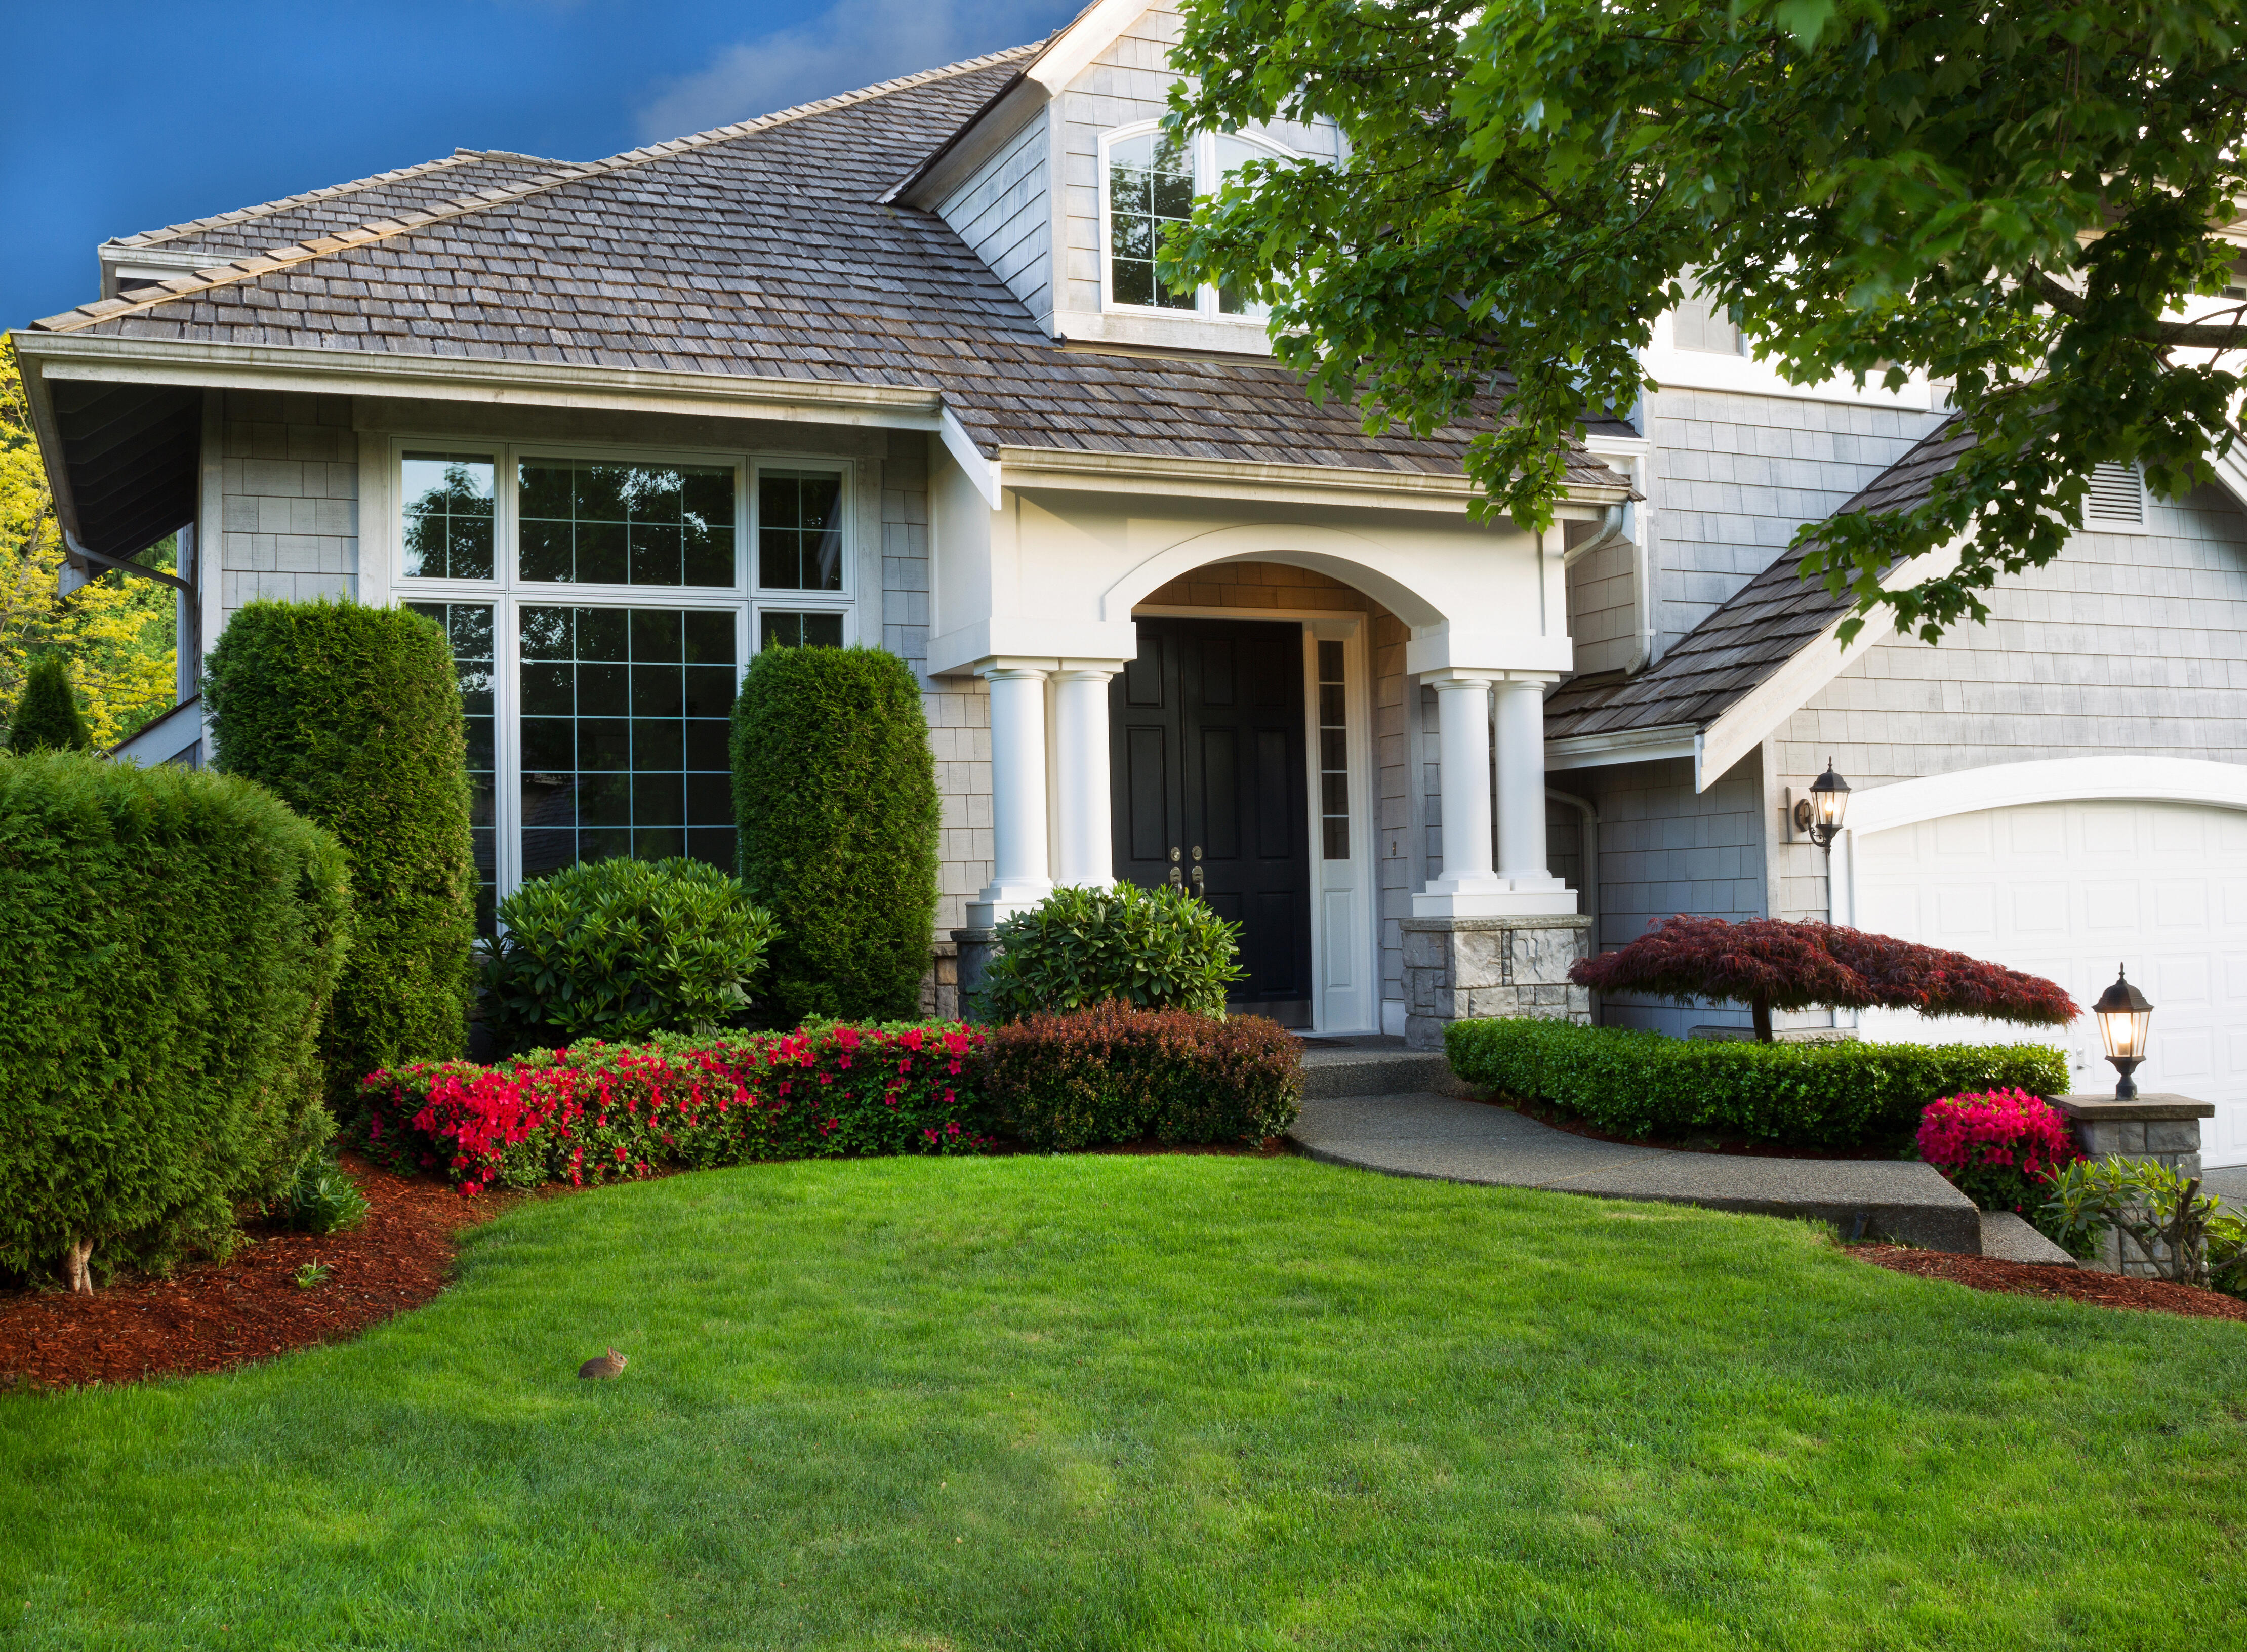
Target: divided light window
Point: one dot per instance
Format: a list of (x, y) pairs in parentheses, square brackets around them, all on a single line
[(597, 522), (468, 626), (1153, 181)]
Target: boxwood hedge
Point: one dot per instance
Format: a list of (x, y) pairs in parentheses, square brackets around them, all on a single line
[(835, 793), (172, 940), (1812, 1095), (351, 715)]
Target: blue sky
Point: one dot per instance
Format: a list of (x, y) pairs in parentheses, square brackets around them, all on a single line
[(128, 116)]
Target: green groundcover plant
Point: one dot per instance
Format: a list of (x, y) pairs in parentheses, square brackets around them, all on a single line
[(835, 794), (173, 937), (1822, 1095), (2174, 1230), (1116, 1073), (1156, 948), (352, 716), (621, 950)]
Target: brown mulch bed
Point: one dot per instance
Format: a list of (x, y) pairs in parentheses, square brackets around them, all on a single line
[(210, 1316), (2033, 1279)]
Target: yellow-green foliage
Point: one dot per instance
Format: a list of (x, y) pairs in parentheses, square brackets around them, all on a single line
[(117, 632), (172, 936)]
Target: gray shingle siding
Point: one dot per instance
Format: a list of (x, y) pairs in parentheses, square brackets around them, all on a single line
[(289, 505), (1735, 474)]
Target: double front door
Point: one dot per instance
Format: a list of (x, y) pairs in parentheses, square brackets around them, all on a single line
[(1206, 740)]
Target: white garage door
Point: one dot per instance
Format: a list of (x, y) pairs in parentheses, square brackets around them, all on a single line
[(2068, 891)]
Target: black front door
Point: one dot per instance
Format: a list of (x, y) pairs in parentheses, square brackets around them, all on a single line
[(1206, 737)]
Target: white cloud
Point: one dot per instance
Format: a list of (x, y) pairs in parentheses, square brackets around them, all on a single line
[(854, 43)]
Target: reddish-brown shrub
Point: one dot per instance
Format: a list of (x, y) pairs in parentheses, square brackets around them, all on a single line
[(1769, 964), (1115, 1074)]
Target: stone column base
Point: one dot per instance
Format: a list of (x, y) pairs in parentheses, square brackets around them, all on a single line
[(1460, 969), (2163, 1128), (974, 949)]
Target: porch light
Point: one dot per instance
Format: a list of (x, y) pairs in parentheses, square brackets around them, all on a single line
[(1819, 814), (2123, 1014)]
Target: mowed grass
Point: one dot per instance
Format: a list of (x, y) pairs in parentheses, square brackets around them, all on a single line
[(1154, 1402)]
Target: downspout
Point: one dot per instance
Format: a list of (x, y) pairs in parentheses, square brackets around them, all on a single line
[(1590, 893)]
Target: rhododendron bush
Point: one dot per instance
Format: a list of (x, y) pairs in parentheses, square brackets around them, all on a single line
[(2000, 1148), (599, 1112), (1769, 963)]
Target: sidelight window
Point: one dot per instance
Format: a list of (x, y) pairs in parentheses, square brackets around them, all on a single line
[(1334, 753)]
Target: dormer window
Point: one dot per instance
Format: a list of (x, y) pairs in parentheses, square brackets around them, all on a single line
[(1150, 181)]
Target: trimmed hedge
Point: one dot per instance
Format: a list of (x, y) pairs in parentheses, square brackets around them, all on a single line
[(46, 717), (1115, 1074), (602, 1112), (172, 939), (1822, 1095), (834, 794), (351, 715), (1158, 948), (624, 949)]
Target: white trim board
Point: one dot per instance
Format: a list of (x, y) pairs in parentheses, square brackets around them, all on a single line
[(2121, 778)]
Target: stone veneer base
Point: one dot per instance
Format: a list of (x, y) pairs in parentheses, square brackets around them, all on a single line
[(1460, 969)]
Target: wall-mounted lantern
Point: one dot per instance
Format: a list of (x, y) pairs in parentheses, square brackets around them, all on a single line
[(2124, 1016), (1819, 815)]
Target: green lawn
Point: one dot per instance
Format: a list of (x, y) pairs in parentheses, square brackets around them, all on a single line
[(1134, 1401)]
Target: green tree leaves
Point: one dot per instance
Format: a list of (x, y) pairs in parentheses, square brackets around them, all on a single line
[(2015, 201)]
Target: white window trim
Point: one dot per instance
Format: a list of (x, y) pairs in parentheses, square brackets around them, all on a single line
[(1676, 369), (1204, 163), (383, 584)]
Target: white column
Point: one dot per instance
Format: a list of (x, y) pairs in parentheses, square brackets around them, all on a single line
[(1463, 754), (1019, 879), (1084, 856), (1521, 786)]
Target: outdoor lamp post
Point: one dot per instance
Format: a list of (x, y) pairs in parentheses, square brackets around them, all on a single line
[(1819, 814), (2123, 1014)]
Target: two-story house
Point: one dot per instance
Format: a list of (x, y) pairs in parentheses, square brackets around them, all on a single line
[(893, 367)]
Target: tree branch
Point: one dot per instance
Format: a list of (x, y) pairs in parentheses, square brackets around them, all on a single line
[(2192, 335)]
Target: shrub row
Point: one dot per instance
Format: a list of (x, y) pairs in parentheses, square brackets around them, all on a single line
[(600, 1112), (1115, 1074), (1822, 1095), (173, 937)]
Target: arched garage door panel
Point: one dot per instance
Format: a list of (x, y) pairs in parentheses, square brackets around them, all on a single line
[(2068, 891)]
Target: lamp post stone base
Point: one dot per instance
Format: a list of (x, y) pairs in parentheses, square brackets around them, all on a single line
[(2163, 1128), (1460, 969)]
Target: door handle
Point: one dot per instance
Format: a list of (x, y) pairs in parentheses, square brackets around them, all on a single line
[(1198, 879), (1176, 881)]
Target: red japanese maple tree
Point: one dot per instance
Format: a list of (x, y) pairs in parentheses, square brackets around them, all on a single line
[(1768, 964)]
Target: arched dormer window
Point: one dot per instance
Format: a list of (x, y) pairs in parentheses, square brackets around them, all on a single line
[(1148, 181)]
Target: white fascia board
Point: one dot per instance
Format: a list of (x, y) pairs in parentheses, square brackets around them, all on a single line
[(1079, 470), (982, 471), (1043, 643), (49, 437), (1752, 719), (110, 360), (2231, 476), (1071, 52), (1624, 746)]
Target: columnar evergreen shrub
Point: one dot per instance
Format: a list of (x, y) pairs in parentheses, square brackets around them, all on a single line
[(835, 793), (1115, 1074), (1823, 1094), (46, 717), (172, 938), (622, 949), (600, 1112), (352, 716), (1157, 948)]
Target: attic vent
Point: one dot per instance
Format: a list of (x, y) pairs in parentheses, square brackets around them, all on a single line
[(2118, 497)]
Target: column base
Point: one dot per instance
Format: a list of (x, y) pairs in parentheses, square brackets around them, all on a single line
[(1463, 966), (972, 952), (1513, 897), (999, 902)]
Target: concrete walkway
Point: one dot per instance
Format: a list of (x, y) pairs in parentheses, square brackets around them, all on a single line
[(1446, 1139), (2229, 1184)]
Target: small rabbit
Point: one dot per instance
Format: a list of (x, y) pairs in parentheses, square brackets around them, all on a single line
[(612, 1364)]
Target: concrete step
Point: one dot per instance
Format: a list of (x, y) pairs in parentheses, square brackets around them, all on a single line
[(2009, 1238), (1385, 1068)]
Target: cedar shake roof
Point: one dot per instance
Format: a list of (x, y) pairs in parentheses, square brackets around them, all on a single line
[(762, 248), (1758, 629)]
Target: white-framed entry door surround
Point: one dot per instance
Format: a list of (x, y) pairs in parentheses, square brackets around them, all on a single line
[(1345, 937)]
